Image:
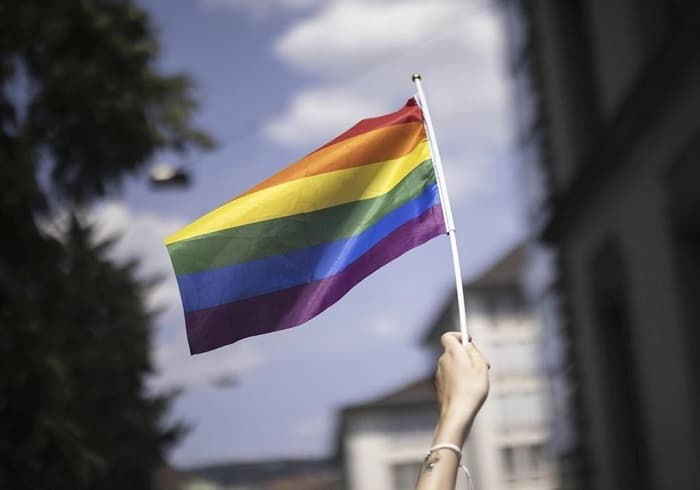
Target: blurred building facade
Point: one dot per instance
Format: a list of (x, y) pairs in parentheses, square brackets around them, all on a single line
[(383, 443), (608, 99)]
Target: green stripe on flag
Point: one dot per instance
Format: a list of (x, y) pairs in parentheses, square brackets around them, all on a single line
[(282, 235)]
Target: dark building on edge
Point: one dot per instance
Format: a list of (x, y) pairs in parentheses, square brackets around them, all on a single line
[(608, 96)]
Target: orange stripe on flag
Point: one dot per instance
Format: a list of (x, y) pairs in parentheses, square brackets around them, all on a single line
[(375, 146)]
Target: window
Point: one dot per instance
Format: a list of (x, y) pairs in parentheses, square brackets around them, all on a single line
[(532, 173), (405, 475), (524, 462), (684, 209), (505, 307), (514, 358), (615, 333), (507, 453), (520, 410)]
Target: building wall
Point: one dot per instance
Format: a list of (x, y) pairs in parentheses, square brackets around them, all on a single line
[(508, 445), (626, 321), (379, 446), (630, 211), (618, 51)]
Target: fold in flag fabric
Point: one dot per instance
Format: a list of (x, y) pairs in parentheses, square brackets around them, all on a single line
[(291, 246)]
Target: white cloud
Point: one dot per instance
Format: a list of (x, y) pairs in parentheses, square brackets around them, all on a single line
[(177, 368), (142, 235), (387, 326), (466, 174), (364, 52), (346, 36), (315, 115)]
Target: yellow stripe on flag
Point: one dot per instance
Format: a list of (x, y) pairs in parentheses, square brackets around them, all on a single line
[(307, 194)]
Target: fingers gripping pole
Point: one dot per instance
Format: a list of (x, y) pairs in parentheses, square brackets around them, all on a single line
[(446, 208)]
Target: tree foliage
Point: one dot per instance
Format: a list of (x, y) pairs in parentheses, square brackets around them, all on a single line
[(81, 106)]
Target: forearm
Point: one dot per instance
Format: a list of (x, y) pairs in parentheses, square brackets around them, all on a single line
[(453, 426), (440, 469), (461, 383)]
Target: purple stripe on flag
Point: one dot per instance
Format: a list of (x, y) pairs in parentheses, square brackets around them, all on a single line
[(222, 325)]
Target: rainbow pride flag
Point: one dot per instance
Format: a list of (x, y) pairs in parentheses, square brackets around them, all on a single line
[(287, 249)]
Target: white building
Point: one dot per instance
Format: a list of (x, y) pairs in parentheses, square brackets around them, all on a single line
[(383, 443)]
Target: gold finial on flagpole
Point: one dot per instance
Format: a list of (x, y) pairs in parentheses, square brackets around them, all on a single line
[(415, 76)]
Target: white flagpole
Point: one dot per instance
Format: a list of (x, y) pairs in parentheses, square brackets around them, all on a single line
[(446, 208)]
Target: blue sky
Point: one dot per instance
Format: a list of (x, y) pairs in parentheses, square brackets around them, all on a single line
[(276, 79)]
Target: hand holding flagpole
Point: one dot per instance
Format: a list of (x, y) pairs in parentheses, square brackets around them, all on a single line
[(446, 208)]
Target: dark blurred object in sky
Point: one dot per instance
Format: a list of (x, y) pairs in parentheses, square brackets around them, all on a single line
[(165, 176), (608, 108), (225, 381)]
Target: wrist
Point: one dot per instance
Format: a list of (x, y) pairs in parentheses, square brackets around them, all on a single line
[(457, 413), (453, 427)]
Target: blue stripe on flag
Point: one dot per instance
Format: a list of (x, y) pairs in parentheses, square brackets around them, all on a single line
[(216, 287)]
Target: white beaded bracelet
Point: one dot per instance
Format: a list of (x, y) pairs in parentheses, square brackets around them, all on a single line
[(458, 452), (447, 445)]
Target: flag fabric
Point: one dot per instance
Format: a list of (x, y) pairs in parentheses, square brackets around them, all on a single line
[(290, 247)]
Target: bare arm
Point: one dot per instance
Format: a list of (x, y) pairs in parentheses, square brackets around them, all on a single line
[(462, 385)]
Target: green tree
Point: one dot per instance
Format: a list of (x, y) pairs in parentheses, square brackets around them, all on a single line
[(81, 106)]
